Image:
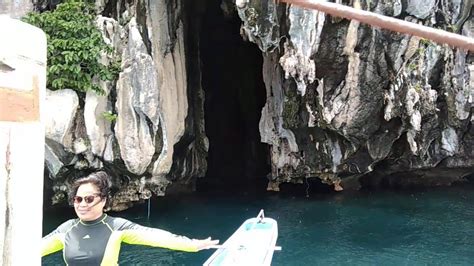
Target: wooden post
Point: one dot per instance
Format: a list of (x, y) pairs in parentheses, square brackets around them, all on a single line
[(385, 22), (22, 91)]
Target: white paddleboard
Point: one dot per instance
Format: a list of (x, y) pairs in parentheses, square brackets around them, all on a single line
[(252, 244)]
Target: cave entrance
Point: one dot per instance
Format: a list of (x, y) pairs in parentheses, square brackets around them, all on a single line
[(234, 97)]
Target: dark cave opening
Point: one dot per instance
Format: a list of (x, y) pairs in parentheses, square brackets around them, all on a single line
[(234, 97)]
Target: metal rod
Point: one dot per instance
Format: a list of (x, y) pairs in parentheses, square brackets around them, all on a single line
[(276, 248), (148, 215), (385, 22)]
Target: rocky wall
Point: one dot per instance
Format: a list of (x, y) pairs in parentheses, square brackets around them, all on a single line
[(348, 102)]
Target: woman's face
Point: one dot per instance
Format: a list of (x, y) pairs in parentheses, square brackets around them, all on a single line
[(87, 203)]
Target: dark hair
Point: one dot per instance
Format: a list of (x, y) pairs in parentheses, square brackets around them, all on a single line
[(99, 179)]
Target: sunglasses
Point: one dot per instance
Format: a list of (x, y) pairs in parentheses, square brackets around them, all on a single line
[(87, 199)]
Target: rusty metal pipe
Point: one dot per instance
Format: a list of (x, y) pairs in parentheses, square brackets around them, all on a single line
[(385, 22)]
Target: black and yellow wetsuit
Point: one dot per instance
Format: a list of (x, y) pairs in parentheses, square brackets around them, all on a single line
[(98, 242)]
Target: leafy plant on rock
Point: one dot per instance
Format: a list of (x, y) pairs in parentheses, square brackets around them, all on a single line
[(75, 46), (109, 116)]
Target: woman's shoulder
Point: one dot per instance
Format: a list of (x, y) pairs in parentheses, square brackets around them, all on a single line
[(67, 225), (115, 219), (71, 221), (118, 223)]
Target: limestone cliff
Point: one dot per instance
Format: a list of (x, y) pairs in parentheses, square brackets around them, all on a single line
[(142, 130), (342, 101), (348, 102)]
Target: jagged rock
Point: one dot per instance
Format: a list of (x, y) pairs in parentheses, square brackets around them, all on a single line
[(260, 23), (56, 158), (52, 161), (114, 34), (377, 99), (137, 104), (100, 5), (81, 165), (99, 110), (98, 124), (134, 192), (60, 112), (150, 101), (16, 8), (344, 101), (167, 46), (449, 141), (420, 8), (296, 61), (80, 146), (462, 91), (59, 116), (284, 147)]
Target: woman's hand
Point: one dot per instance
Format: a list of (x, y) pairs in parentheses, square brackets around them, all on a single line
[(205, 243)]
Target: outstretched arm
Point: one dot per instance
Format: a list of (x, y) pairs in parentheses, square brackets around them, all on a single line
[(140, 235), (51, 244), (54, 241)]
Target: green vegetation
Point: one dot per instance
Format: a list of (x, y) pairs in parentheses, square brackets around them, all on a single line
[(418, 88), (412, 66), (425, 42), (75, 45), (291, 109), (109, 116)]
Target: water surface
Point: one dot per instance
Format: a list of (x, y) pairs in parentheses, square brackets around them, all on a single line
[(430, 227)]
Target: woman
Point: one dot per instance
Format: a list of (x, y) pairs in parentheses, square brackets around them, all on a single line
[(95, 238)]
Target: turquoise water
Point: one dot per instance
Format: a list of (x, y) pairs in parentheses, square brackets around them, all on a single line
[(431, 227)]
